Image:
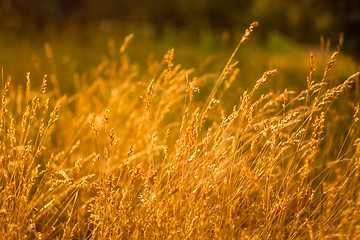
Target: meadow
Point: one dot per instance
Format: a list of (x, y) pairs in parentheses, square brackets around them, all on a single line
[(133, 145)]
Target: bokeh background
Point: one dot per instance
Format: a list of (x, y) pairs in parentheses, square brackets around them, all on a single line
[(201, 31), (303, 20)]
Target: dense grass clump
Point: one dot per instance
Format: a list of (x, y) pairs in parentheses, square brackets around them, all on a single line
[(149, 156)]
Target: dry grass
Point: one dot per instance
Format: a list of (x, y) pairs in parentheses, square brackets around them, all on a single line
[(139, 156)]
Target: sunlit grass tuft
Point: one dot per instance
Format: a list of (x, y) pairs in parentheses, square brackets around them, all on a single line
[(147, 155)]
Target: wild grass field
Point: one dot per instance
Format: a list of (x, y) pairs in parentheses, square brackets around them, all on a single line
[(154, 150)]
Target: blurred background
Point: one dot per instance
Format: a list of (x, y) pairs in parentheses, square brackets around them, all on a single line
[(76, 29), (302, 20)]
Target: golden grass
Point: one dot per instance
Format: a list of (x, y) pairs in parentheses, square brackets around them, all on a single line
[(133, 156)]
